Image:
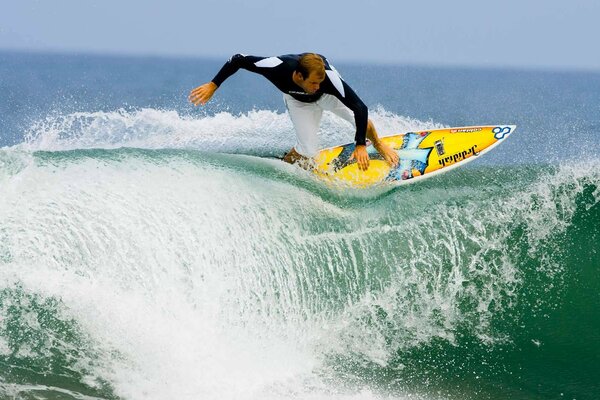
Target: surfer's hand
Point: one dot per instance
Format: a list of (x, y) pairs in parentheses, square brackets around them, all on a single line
[(361, 156), (203, 93)]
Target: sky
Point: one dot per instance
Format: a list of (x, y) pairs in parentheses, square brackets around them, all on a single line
[(537, 34)]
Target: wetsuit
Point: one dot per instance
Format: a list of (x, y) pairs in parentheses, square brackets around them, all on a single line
[(279, 71)]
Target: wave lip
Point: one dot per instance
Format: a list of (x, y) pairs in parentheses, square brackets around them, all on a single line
[(257, 131)]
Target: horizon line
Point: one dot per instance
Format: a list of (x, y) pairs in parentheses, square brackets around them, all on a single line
[(345, 61)]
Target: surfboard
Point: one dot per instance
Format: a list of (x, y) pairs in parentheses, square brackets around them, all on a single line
[(422, 154)]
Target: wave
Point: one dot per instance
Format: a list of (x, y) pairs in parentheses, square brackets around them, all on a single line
[(165, 273)]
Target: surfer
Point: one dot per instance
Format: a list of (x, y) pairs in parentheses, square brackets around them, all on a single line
[(309, 85)]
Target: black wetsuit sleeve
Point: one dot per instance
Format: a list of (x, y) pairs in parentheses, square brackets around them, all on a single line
[(360, 110), (234, 64)]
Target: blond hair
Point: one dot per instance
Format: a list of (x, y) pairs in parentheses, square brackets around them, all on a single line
[(311, 62)]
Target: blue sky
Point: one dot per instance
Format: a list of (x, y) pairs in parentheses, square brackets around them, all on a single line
[(515, 33)]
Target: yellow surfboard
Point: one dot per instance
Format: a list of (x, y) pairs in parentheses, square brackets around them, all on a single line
[(422, 154)]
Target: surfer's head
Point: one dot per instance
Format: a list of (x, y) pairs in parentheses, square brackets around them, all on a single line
[(310, 72)]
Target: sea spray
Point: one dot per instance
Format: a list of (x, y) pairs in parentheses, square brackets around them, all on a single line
[(181, 275)]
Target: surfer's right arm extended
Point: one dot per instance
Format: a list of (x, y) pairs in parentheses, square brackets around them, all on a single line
[(203, 93), (232, 66)]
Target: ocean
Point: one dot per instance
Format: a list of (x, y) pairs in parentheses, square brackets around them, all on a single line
[(153, 250)]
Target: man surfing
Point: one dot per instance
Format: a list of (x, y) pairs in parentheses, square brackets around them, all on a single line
[(309, 85)]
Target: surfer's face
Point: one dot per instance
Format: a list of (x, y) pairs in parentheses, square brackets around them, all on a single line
[(311, 84)]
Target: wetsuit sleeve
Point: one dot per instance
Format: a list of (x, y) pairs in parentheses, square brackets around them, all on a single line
[(236, 62), (360, 110)]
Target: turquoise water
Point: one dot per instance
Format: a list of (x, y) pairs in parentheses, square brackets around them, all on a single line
[(149, 250)]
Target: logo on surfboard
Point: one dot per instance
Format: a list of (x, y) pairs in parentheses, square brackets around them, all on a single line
[(501, 131)]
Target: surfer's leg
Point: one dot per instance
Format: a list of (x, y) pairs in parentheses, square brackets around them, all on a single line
[(386, 151), (306, 118), (333, 104)]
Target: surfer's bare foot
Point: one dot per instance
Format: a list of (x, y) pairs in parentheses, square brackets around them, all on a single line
[(293, 157), (387, 153)]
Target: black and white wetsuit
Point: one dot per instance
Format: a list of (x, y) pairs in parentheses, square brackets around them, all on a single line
[(279, 71)]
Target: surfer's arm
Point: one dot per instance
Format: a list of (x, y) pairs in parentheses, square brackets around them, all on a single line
[(236, 62), (204, 93), (336, 86), (351, 100), (365, 129), (361, 119)]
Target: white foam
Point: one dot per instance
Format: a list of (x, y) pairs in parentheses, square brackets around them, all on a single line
[(170, 294), (254, 132), (16, 391), (446, 257), (195, 281)]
